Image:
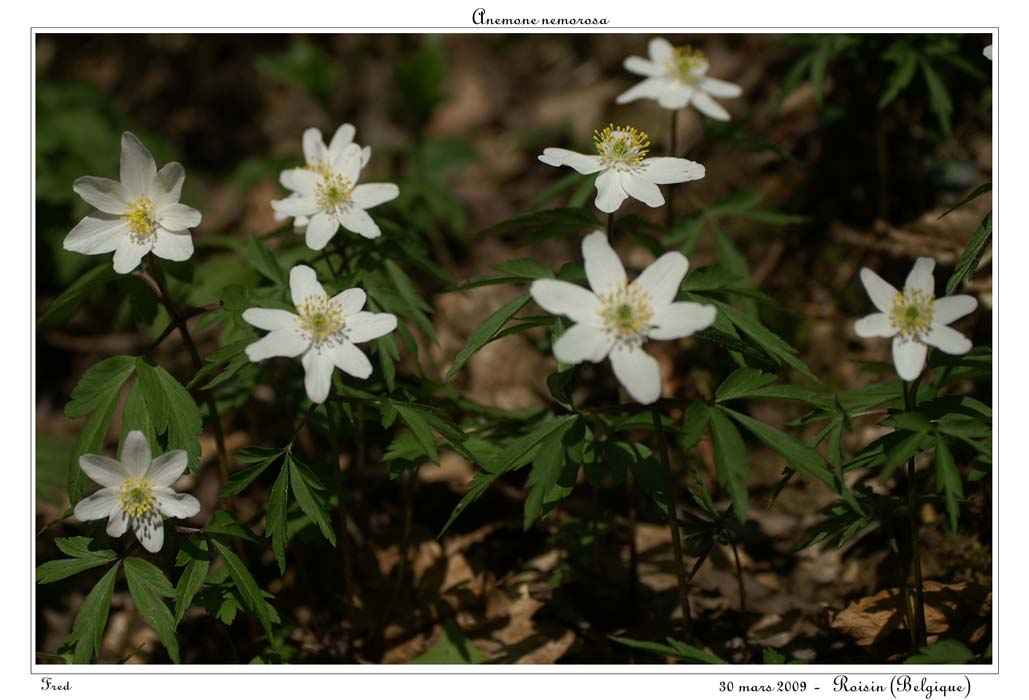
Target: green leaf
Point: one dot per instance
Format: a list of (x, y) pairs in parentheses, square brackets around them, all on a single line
[(135, 416), (524, 268), (799, 456), (546, 470), (674, 648), (906, 59), (252, 598), (264, 262), (452, 647), (97, 385), (192, 577), (172, 409), (63, 307), (305, 485), (694, 423), (735, 203), (939, 98), (948, 482), (974, 194), (903, 451), (486, 332), (742, 382), (87, 632), (768, 341), (419, 428), (772, 657), (148, 585), (85, 554), (968, 263), (225, 523), (275, 519), (731, 462), (238, 481), (945, 651)]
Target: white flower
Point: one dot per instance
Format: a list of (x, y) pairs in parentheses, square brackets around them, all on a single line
[(322, 331), (988, 52), (624, 169), (914, 317), (676, 77), (618, 317), (139, 215), (136, 491), (325, 194)]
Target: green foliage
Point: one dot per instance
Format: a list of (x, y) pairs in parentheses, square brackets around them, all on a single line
[(945, 651), (968, 263), (85, 554), (308, 491), (452, 647), (173, 411), (251, 595), (674, 648), (148, 586), (87, 633), (305, 65), (731, 463)]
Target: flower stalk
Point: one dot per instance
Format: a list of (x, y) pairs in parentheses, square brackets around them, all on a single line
[(914, 502), (673, 525)]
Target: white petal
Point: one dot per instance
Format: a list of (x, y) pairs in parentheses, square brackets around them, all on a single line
[(988, 52), (117, 521), (666, 171), (681, 319), (96, 234), (149, 530), (178, 217), (296, 205), (99, 505), (358, 221), (103, 470), (128, 254), (314, 147), (603, 267), (566, 299), (875, 326), (285, 342), (173, 245), (663, 277), (651, 88), (950, 309), (639, 187), (675, 95), (303, 283), (583, 342), (343, 137), (167, 187), (610, 193), (720, 88), (706, 104), (908, 358), (270, 319), (320, 230), (138, 169), (176, 505), (317, 374), (365, 325), (638, 372), (659, 50), (106, 195), (879, 290), (135, 453), (580, 162), (348, 162), (366, 155), (350, 301), (921, 276), (166, 469), (351, 360), (641, 66), (374, 194), (948, 340), (304, 181)]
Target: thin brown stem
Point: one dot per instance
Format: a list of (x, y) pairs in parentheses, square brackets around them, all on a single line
[(910, 399), (739, 575), (673, 525)]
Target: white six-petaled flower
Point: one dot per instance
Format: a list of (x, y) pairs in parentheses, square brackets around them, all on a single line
[(324, 194), (914, 317), (139, 215), (136, 491), (625, 170), (618, 317), (322, 331), (677, 77)]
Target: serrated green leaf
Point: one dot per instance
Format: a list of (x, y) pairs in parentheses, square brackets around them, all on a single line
[(968, 263), (69, 301), (903, 451), (900, 77), (768, 341), (251, 596), (148, 585), (275, 518), (948, 482), (172, 409), (939, 99), (546, 469), (485, 333), (305, 485), (85, 554), (945, 651), (974, 194), (731, 463), (97, 384), (88, 629), (524, 268), (742, 382), (264, 262), (452, 647), (420, 429), (192, 577)]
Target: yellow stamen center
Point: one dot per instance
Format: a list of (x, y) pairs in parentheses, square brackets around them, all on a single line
[(320, 167), (334, 191), (320, 317), (136, 496), (621, 146), (141, 220), (627, 312), (912, 312), (687, 64)]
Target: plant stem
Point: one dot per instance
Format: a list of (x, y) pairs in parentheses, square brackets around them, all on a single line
[(673, 139), (673, 525), (342, 533), (156, 284), (910, 399), (739, 575), (634, 557), (611, 229)]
